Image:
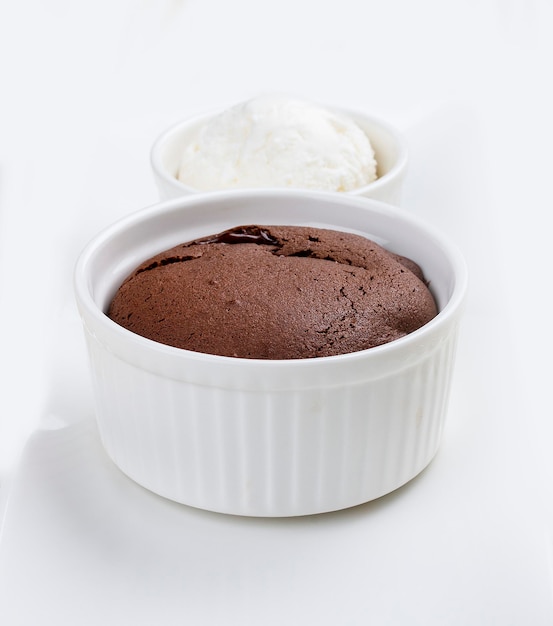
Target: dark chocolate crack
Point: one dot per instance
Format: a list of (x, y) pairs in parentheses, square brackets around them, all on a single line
[(242, 234)]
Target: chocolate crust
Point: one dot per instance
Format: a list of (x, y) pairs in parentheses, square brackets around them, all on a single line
[(275, 292)]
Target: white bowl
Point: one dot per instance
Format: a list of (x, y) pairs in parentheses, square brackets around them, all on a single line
[(262, 437), (389, 146)]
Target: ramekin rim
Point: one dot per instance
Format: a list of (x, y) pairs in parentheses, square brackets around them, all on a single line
[(85, 299)]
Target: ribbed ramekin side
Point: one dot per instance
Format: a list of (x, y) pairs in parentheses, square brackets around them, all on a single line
[(272, 453)]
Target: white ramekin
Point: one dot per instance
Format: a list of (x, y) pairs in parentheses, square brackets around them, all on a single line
[(262, 437), (388, 143)]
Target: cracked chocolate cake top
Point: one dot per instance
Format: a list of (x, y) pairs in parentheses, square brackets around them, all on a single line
[(275, 292)]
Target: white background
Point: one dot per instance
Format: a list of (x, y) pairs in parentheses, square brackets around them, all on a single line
[(84, 90)]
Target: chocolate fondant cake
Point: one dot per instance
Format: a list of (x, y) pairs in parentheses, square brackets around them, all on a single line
[(275, 292)]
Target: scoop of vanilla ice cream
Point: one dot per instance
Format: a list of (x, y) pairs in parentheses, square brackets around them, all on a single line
[(273, 141)]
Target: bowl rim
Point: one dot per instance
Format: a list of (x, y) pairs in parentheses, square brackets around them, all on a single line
[(400, 165), (87, 305)]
